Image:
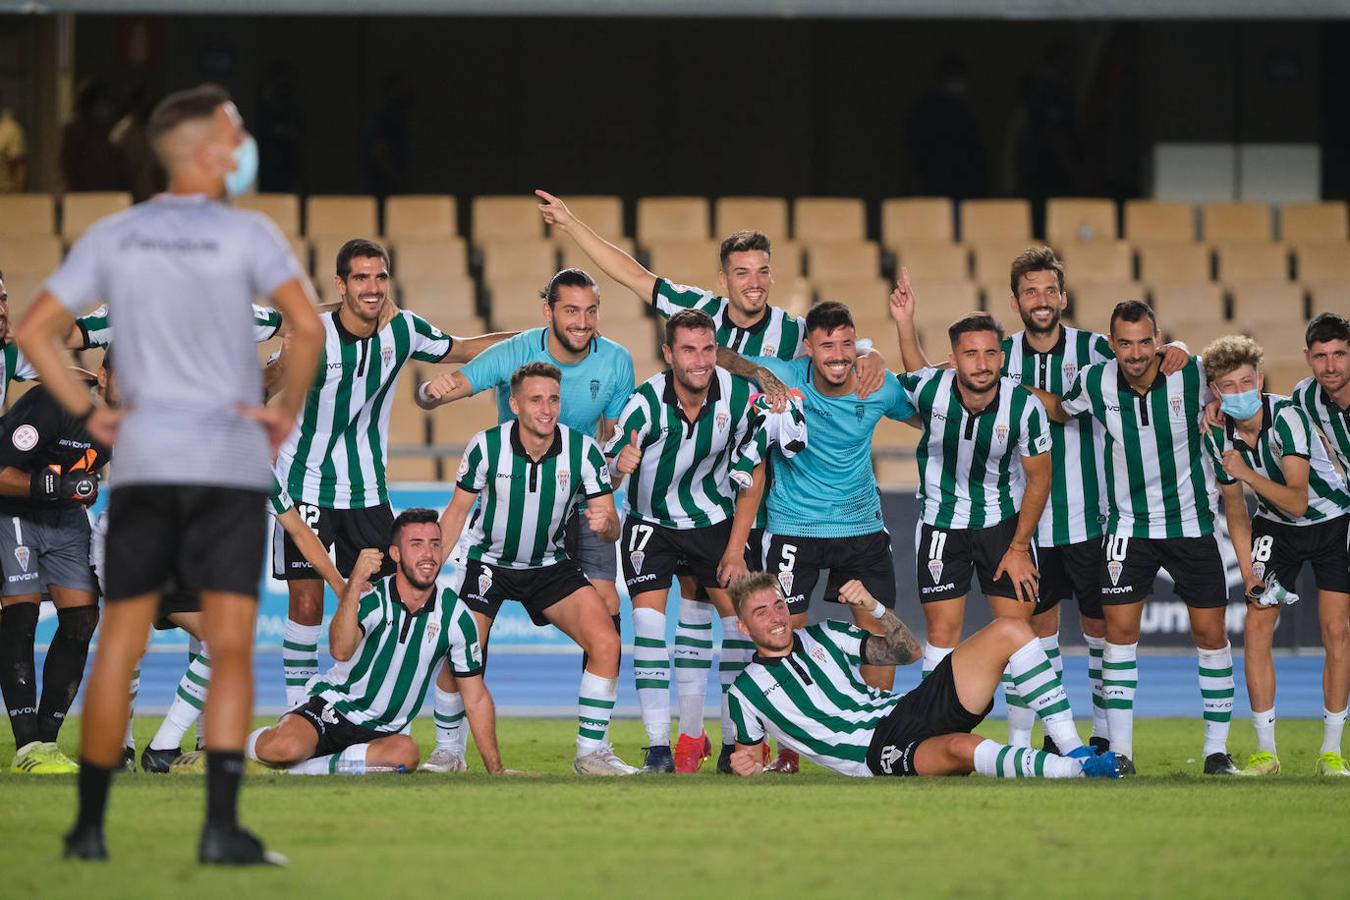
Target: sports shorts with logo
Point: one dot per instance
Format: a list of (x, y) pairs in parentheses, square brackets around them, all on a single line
[(347, 531), (336, 733), (1070, 572), (930, 710), (651, 554), (1128, 565), (798, 562), (44, 547), (948, 559), (1279, 550), (484, 587)]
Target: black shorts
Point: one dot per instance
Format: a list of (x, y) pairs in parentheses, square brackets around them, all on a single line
[(335, 732), (754, 560), (948, 559), (1128, 565), (348, 531), (1280, 550), (1070, 572), (174, 602), (800, 560), (484, 587), (197, 537), (930, 710), (651, 554)]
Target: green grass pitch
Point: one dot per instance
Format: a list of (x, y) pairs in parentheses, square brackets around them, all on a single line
[(1168, 832)]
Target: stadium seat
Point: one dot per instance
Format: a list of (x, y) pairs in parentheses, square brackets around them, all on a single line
[(442, 302), (865, 297), (519, 260), (420, 217), (1079, 220), (22, 288), (1106, 260), (1092, 302), (27, 214), (1252, 261), (995, 220), (407, 421), (895, 436), (829, 219), (1257, 304), (828, 260), (341, 217), (892, 472), (573, 258), (604, 214), (1319, 263), (640, 337), (1314, 223), (303, 255), (906, 220), (1174, 263), (671, 219), (940, 303), (993, 258), (36, 253), (81, 209), (511, 217), (766, 214), (325, 260), (421, 467), (1229, 222), (283, 209), (787, 259), (1283, 344), (933, 261), (515, 303), (1331, 297), (430, 258), (685, 261), (1283, 376), (1195, 302), (454, 425), (794, 294), (1158, 221)]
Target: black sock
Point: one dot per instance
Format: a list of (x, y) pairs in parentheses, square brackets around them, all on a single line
[(224, 771), (618, 629), (93, 782), (18, 675), (64, 668)]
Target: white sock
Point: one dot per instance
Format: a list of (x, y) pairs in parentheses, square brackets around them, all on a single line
[(651, 674), (1264, 723), (693, 661), (1216, 692), (1041, 689), (1096, 646), (351, 761), (251, 744), (299, 659), (1332, 726), (129, 740), (735, 656), (447, 710), (932, 656), (1001, 761), (595, 702), (197, 648), (1120, 679), (188, 700), (1021, 718)]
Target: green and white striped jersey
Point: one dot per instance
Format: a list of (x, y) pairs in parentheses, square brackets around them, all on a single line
[(970, 464), (278, 501), (778, 333), (814, 700), (522, 510), (384, 683), (1285, 431), (335, 456), (1333, 421), (16, 368), (1075, 510), (98, 332), (1159, 483), (684, 478)]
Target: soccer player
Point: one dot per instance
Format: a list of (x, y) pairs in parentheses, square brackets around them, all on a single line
[(13, 365), (194, 447), (1302, 515), (527, 476), (805, 688), (333, 463), (677, 437), (49, 473), (389, 638), (1159, 516), (94, 330), (597, 379)]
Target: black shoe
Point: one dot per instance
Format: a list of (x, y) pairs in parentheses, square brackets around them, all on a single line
[(158, 761), (724, 759), (1220, 764), (1099, 745), (86, 844), (234, 847), (1049, 746), (1124, 765), (658, 760), (128, 759)]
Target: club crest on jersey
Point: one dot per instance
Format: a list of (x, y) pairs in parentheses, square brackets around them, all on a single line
[(935, 570), (564, 476), (1258, 569), (785, 581), (1114, 568), (432, 632), (1001, 433), (1070, 370), (484, 581), (595, 388), (387, 354), (722, 420), (25, 437), (21, 553), (637, 557), (859, 410), (818, 654), (1174, 404), (770, 350)]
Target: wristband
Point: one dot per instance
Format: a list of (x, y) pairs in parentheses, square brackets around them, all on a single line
[(422, 392), (863, 345), (878, 611), (1026, 549)]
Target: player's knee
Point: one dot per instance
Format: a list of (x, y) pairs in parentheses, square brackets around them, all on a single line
[(1210, 637), (1258, 626), (1014, 631), (402, 751), (276, 748), (602, 644), (1335, 635), (77, 623)]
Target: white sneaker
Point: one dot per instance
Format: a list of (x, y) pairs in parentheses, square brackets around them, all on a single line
[(602, 762), (443, 759)]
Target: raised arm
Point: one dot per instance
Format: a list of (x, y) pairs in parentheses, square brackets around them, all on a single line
[(464, 349), (902, 313), (612, 261), (896, 645), (344, 634)]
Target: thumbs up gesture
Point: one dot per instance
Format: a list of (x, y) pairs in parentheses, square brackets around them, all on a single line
[(630, 456)]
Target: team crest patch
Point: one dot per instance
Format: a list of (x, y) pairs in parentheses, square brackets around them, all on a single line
[(1070, 370), (1001, 433), (564, 476), (1114, 569), (463, 465), (595, 388), (859, 410), (935, 570), (785, 581), (770, 350), (722, 420), (21, 554), (484, 581), (637, 557), (433, 631), (25, 437), (818, 654), (329, 715), (1258, 569), (1174, 403), (387, 354)]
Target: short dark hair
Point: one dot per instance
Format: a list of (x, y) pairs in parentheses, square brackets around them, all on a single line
[(1036, 259), (692, 319), (416, 515), (536, 369), (828, 316), (200, 102), (747, 586), (567, 278), (973, 322), (1325, 327), (742, 242), (359, 248), (1132, 311)]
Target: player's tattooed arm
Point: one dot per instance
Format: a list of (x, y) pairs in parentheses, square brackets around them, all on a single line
[(896, 645), (769, 384)]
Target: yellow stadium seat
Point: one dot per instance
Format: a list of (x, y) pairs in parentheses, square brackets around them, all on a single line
[(1313, 223), (865, 297), (829, 219), (1229, 222), (1284, 375), (420, 217), (22, 288), (993, 258), (939, 303), (1196, 302), (893, 435), (908, 220), (455, 424), (283, 209), (79, 210), (1257, 304), (573, 258), (995, 220), (691, 262), (300, 248), (418, 468), (1252, 261), (766, 214), (511, 218), (1079, 220), (828, 260), (671, 219), (787, 259), (1097, 261), (1323, 262), (604, 214), (520, 260), (1158, 221), (36, 253), (430, 259), (1283, 344), (794, 294), (341, 217), (1331, 297), (441, 301), (1174, 263), (515, 304), (892, 472), (1093, 302), (325, 258), (933, 260), (638, 337), (27, 214), (408, 421)]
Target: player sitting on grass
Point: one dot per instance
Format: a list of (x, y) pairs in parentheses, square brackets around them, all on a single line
[(805, 688), (389, 639)]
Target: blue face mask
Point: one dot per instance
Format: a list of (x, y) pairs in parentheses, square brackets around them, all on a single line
[(245, 168), (1242, 405)]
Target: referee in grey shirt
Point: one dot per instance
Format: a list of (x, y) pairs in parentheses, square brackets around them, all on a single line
[(192, 441)]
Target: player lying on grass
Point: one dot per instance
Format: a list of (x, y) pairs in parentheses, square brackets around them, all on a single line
[(805, 688), (388, 638)]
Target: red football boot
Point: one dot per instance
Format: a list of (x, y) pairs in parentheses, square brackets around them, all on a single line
[(787, 763), (690, 752)]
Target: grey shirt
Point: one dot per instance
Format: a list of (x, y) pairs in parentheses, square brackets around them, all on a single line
[(179, 275)]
